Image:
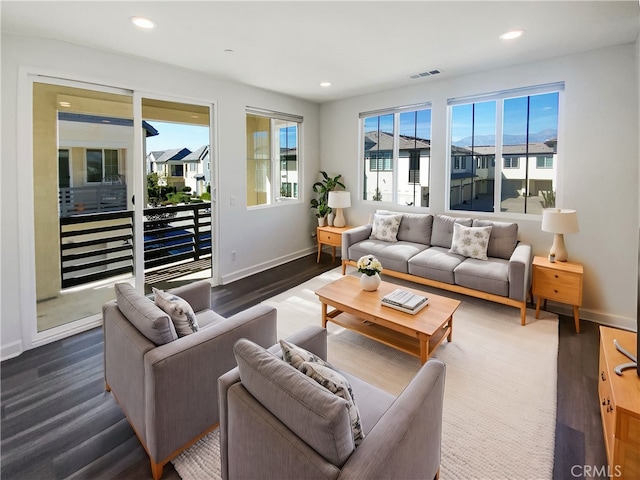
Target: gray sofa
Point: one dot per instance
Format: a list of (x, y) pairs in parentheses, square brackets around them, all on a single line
[(168, 386), (276, 422), (422, 254)]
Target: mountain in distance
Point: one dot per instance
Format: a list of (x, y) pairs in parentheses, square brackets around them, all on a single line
[(541, 136)]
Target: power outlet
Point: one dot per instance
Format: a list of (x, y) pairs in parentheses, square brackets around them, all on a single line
[(233, 256)]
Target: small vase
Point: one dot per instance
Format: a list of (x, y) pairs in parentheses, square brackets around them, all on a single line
[(330, 218), (370, 283)]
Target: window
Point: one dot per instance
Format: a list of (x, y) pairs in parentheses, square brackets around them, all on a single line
[(273, 157), (396, 148), (177, 170), (521, 128), (102, 165)]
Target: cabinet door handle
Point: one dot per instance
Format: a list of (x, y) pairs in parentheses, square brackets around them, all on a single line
[(602, 375)]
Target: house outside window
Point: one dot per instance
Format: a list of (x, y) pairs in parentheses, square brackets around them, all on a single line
[(525, 139), (101, 164), (273, 157), (396, 146)]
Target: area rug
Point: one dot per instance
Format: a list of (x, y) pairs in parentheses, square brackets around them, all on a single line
[(500, 388)]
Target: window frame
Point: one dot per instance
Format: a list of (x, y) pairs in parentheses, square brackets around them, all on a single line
[(274, 194), (500, 97), (392, 164), (103, 165)]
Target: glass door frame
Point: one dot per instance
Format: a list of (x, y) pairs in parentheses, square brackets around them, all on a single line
[(27, 76)]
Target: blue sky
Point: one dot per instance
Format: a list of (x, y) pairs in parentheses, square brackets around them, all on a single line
[(177, 135)]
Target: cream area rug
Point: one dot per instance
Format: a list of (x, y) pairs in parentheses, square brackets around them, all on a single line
[(500, 387)]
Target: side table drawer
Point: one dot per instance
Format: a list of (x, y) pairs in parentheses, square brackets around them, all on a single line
[(555, 285), (328, 238)]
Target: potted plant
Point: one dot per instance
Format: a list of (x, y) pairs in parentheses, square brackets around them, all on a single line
[(322, 189)]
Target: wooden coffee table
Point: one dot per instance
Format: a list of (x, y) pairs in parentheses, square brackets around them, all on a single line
[(361, 311)]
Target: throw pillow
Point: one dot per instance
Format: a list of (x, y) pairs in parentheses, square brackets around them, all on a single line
[(385, 227), (337, 384), (296, 355), (470, 242), (182, 315)]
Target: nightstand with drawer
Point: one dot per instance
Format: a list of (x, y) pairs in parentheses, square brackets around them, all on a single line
[(560, 282), (330, 236)]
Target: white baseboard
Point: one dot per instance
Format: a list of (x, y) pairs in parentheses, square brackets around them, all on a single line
[(11, 350), (609, 320), (261, 267)]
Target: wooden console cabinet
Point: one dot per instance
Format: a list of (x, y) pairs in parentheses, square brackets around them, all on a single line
[(619, 405)]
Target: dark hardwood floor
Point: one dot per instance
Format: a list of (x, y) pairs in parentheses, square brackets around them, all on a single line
[(58, 422)]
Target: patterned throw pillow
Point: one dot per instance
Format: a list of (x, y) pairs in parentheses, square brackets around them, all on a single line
[(337, 384), (470, 242), (181, 314), (296, 355), (385, 227)]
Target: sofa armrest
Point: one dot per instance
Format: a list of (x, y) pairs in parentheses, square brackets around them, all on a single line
[(197, 294), (353, 236), (406, 441), (181, 378), (520, 272)]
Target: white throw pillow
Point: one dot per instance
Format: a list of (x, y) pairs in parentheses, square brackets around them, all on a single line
[(337, 384), (385, 227), (181, 314), (296, 355), (470, 242)]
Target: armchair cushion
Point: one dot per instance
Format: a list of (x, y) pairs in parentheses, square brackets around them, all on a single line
[(181, 314), (143, 314), (309, 410), (340, 386)]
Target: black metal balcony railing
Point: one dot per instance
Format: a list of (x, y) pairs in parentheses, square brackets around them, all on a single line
[(97, 246)]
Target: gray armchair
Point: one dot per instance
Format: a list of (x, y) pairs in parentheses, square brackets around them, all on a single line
[(298, 429), (167, 388)]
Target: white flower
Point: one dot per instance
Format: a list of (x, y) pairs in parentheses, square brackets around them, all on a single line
[(369, 265)]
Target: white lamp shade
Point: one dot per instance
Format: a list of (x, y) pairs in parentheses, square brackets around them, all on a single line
[(339, 199), (559, 220)]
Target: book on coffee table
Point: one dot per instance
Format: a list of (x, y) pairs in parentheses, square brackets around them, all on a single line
[(405, 301)]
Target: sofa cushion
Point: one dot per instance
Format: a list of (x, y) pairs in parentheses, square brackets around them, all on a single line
[(503, 239), (416, 228), (385, 227), (181, 314), (443, 229), (392, 256), (435, 263), (491, 276), (143, 314), (338, 385), (470, 242), (296, 356), (309, 410)]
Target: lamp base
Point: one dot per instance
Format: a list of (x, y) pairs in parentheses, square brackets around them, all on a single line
[(558, 248), (339, 220)]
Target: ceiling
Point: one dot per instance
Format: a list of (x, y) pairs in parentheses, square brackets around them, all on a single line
[(358, 46)]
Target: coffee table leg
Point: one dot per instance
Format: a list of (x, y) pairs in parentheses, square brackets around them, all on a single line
[(424, 348), (324, 315), (450, 336)]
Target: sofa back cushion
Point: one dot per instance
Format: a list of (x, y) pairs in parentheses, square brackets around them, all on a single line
[(143, 314), (416, 228), (313, 413), (443, 229), (503, 239)]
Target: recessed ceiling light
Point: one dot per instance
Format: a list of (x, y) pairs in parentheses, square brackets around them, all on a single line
[(64, 104), (511, 34), (142, 22), (325, 84), (228, 50)]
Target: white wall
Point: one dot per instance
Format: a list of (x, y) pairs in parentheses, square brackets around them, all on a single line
[(261, 238), (598, 171)]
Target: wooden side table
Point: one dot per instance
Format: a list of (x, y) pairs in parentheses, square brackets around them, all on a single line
[(330, 236), (558, 281)]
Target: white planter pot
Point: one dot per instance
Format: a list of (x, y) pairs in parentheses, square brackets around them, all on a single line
[(370, 283)]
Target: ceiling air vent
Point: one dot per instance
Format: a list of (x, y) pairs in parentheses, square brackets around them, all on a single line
[(425, 74)]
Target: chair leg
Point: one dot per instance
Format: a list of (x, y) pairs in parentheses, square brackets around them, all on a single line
[(156, 469), (107, 388)]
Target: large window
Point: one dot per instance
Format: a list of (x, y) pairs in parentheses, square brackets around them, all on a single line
[(520, 128), (396, 148), (273, 157)]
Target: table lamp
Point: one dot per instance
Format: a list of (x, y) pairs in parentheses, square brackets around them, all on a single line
[(337, 201), (559, 221)]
